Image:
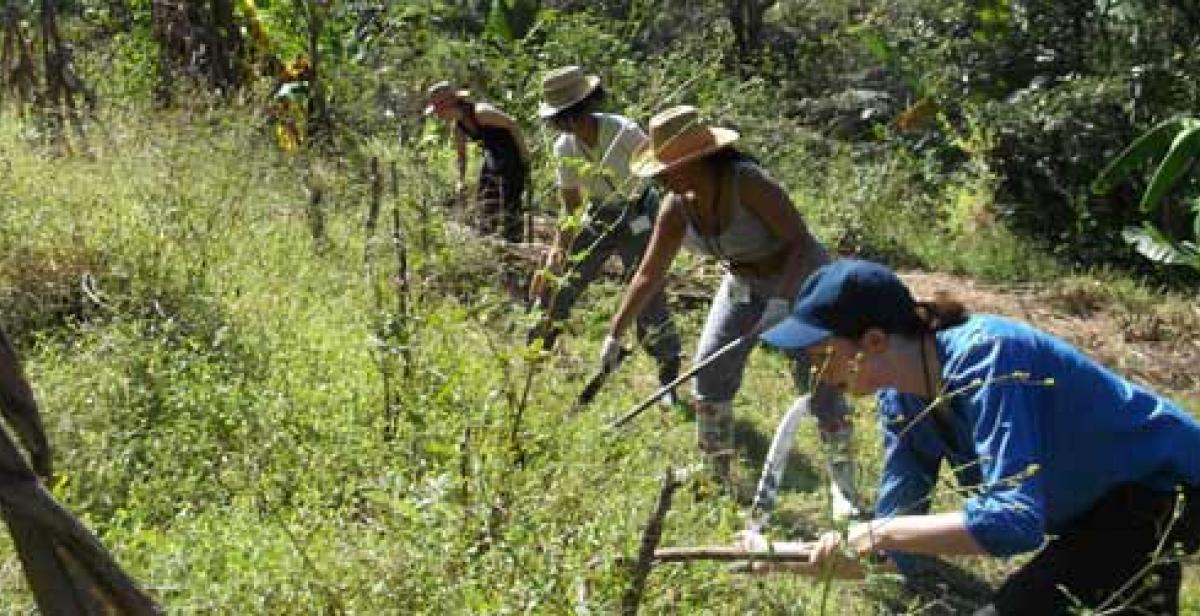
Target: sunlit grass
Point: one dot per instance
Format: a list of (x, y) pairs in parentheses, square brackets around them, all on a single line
[(216, 403)]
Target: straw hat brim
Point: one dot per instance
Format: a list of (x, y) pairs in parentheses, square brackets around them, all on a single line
[(460, 94), (646, 164), (546, 111)]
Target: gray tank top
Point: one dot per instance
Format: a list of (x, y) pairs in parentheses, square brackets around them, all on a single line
[(745, 240)]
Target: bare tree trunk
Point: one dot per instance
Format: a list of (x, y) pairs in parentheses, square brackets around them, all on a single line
[(225, 46), (68, 570), (318, 128), (63, 86), (746, 21), (16, 58)]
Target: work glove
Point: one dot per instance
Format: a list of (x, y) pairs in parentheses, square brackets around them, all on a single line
[(610, 353), (776, 311)]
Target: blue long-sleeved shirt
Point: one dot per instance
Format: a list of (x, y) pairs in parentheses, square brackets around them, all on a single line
[(1037, 430)]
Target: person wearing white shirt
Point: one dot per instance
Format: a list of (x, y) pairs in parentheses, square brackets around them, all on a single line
[(607, 210)]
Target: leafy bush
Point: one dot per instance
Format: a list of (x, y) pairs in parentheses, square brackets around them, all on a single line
[(1045, 145), (1176, 143)]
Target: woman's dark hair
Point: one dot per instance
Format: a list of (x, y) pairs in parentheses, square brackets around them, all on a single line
[(942, 312), (583, 106), (729, 155)]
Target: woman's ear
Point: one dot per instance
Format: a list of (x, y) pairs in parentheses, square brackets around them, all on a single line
[(874, 340)]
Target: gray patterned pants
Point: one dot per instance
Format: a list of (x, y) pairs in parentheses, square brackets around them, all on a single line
[(737, 306)]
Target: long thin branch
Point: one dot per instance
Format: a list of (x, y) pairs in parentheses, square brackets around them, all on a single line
[(724, 554)]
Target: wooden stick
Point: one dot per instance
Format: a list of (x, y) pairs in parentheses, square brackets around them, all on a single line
[(724, 554), (646, 552), (376, 202)]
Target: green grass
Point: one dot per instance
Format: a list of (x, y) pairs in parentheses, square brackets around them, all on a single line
[(218, 412)]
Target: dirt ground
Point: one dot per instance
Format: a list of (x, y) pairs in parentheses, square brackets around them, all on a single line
[(1163, 353), (1158, 348)]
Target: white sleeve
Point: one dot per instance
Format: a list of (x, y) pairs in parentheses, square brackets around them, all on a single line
[(568, 163), (629, 137)]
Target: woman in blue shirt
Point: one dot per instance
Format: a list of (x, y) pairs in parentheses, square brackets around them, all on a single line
[(1056, 451)]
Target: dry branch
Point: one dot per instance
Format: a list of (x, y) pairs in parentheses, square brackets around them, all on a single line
[(68, 569), (725, 554), (650, 538)]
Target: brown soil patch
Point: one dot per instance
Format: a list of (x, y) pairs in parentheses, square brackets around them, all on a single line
[(1161, 353), (1166, 361)]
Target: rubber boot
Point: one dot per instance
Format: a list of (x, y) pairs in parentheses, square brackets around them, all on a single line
[(839, 460), (714, 434)]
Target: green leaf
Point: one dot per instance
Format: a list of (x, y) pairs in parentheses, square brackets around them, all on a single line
[(292, 90), (876, 45), (1150, 145), (1184, 150), (1196, 219), (1154, 246)]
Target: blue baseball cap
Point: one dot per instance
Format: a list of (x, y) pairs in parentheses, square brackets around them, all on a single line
[(845, 298)]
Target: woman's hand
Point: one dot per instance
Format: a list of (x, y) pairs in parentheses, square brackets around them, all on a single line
[(835, 554), (610, 353), (832, 556), (537, 286), (843, 555)]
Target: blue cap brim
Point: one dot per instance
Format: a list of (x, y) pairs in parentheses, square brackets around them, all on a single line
[(792, 333)]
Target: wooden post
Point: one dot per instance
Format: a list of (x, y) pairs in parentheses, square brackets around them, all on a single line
[(316, 217), (376, 179), (403, 299)]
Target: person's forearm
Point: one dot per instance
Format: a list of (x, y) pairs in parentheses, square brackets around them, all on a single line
[(641, 289), (940, 534), (793, 272)]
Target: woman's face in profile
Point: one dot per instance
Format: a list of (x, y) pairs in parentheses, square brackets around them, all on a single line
[(681, 179), (849, 366)]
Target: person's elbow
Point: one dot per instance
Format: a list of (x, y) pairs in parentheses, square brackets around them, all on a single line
[(1005, 527)]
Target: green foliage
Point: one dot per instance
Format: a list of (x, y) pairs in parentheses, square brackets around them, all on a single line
[(1176, 143), (511, 20), (255, 425)]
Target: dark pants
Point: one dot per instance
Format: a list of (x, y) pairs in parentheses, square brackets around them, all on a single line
[(1109, 559), (499, 198)]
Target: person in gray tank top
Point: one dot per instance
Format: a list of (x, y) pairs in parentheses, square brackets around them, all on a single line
[(722, 204), (593, 151)]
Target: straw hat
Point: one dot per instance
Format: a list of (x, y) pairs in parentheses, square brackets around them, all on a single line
[(441, 94), (563, 87), (676, 137)]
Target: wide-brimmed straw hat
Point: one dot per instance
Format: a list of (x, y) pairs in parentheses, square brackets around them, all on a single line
[(563, 87), (441, 94), (676, 137)]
